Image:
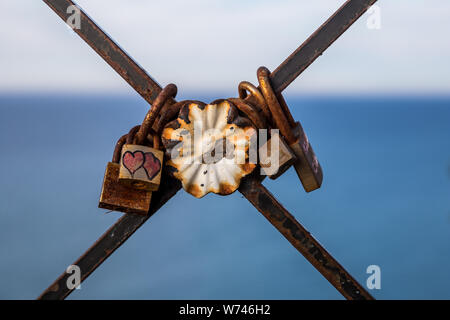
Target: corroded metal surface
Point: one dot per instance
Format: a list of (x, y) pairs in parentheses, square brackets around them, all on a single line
[(117, 196), (307, 166), (301, 239), (256, 99), (293, 66), (251, 111), (208, 147), (275, 165), (141, 165), (169, 92), (278, 114)]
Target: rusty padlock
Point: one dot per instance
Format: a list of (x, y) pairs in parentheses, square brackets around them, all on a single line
[(275, 167), (307, 166), (117, 196), (141, 165), (272, 166)]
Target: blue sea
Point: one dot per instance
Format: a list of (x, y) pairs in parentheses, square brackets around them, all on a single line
[(385, 201)]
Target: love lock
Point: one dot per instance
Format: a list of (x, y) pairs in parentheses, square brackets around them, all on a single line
[(285, 156), (272, 165), (135, 170), (307, 166), (140, 165), (117, 196), (208, 146)]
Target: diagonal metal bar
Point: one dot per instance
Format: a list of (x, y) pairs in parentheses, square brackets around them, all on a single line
[(281, 77), (148, 88), (318, 42), (111, 52), (302, 240), (112, 239)]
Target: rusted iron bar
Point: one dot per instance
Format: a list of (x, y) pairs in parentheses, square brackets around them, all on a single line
[(318, 42), (281, 77), (149, 89), (112, 239), (302, 240), (253, 191), (117, 58)]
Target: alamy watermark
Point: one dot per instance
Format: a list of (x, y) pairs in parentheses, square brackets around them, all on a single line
[(74, 280), (213, 145), (74, 20), (374, 280), (374, 18)]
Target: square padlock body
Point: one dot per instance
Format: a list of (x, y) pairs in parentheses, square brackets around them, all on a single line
[(141, 167), (119, 197), (286, 157)]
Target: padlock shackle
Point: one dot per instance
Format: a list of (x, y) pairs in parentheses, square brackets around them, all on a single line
[(168, 113), (170, 91), (132, 134), (250, 111), (130, 138), (274, 105), (118, 149), (156, 142), (245, 86)]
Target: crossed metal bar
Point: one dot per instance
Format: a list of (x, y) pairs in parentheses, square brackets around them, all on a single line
[(251, 187)]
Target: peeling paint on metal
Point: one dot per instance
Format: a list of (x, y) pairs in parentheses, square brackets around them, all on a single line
[(192, 139)]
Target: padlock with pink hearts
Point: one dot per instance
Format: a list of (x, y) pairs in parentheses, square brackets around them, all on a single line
[(142, 160), (140, 165)]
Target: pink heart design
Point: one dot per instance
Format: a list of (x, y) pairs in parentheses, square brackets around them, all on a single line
[(152, 165), (133, 161)]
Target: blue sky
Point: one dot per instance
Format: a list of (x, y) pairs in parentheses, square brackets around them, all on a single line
[(212, 45)]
